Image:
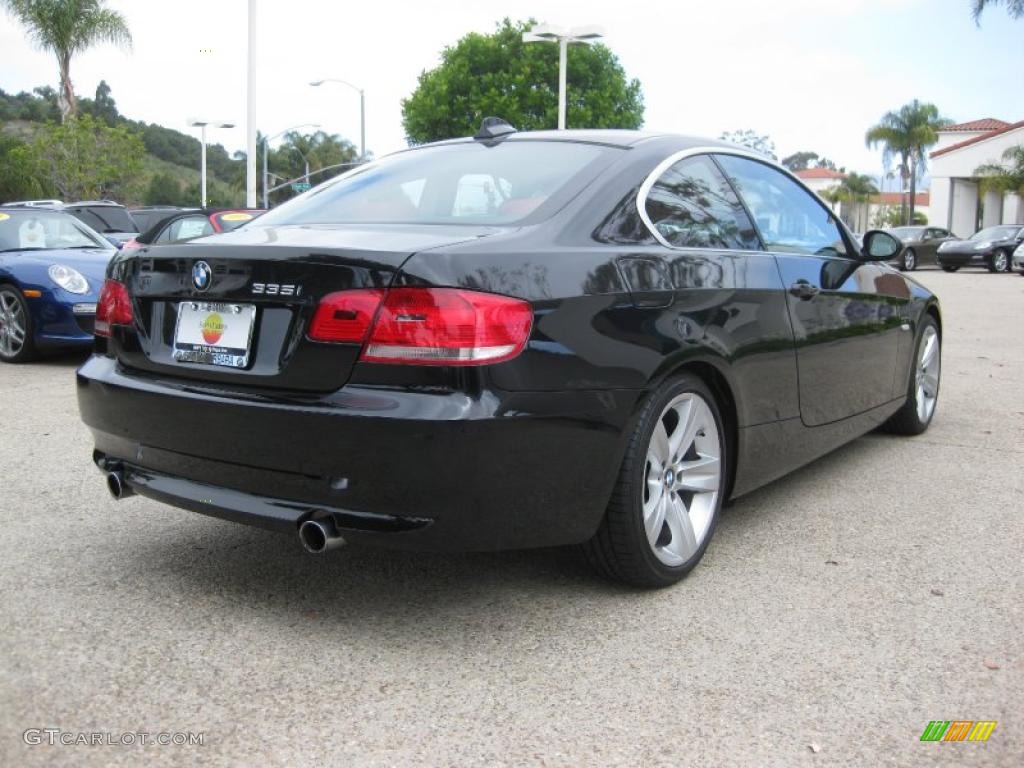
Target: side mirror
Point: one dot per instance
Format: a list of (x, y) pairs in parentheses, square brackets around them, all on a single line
[(113, 241), (879, 245)]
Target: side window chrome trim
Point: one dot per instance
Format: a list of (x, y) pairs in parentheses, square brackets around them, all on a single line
[(668, 162)]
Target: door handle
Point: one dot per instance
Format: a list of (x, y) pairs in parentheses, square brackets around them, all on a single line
[(804, 290)]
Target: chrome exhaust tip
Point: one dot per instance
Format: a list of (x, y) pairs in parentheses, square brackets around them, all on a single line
[(118, 488), (318, 536)]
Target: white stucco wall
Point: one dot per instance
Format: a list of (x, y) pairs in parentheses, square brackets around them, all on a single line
[(1013, 210), (965, 207)]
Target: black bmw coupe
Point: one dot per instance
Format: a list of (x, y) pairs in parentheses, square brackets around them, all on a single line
[(512, 340)]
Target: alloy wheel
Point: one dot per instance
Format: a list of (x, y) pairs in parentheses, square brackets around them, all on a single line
[(928, 364), (12, 324), (682, 479), (909, 261), (999, 261)]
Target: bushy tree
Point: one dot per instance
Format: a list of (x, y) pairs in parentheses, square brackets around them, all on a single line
[(19, 178), (751, 140), (801, 161), (87, 159), (164, 189), (500, 75)]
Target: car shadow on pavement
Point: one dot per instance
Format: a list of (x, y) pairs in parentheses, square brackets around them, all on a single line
[(271, 574), (61, 358)]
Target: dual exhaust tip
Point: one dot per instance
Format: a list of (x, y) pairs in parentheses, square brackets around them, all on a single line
[(317, 536)]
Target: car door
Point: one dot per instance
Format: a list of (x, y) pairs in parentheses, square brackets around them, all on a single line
[(727, 292), (847, 314)]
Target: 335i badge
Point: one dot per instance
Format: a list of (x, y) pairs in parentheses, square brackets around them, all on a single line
[(513, 340)]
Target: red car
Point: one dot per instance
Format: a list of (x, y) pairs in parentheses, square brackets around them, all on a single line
[(186, 225)]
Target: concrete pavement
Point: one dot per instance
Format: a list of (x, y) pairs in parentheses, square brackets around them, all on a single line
[(835, 614)]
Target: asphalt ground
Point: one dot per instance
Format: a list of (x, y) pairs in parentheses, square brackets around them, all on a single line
[(836, 613)]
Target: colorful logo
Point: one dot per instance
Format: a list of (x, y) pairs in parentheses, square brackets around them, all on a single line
[(958, 730), (202, 275), (213, 328)]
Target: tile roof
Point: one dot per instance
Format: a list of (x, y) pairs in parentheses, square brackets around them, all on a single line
[(985, 124), (976, 139), (921, 199), (819, 173)]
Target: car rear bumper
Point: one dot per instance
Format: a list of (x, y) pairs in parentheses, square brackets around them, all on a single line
[(412, 469)]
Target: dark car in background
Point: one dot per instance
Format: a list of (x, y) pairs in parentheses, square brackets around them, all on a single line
[(517, 340), (110, 219), (178, 226), (991, 247), (51, 272), (920, 245), (148, 215)]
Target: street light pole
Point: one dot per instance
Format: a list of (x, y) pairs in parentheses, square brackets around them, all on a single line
[(250, 112), (546, 33), (362, 110), (196, 123), (266, 150)]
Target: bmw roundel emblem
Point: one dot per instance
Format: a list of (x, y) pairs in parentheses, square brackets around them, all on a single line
[(202, 275)]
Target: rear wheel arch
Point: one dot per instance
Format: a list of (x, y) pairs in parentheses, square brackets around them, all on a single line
[(717, 381), (933, 310)]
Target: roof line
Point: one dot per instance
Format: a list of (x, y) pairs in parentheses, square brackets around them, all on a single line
[(977, 139)]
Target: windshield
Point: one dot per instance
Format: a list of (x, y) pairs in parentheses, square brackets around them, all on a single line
[(995, 233), (466, 183), (906, 233), (35, 228), (105, 218)]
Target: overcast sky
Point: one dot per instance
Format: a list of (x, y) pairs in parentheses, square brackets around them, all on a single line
[(812, 74)]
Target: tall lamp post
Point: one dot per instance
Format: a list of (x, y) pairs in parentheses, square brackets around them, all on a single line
[(546, 33), (362, 110), (266, 148), (194, 122)]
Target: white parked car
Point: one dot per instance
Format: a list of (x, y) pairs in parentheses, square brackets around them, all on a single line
[(1018, 259)]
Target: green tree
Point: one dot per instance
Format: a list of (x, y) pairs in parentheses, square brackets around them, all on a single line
[(164, 189), (1013, 7), (499, 74), (67, 27), (19, 178), (747, 138), (87, 159), (907, 133), (801, 161)]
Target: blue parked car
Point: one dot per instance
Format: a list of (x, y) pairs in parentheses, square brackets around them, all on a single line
[(52, 268)]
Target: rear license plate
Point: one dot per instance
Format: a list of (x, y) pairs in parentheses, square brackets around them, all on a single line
[(214, 333)]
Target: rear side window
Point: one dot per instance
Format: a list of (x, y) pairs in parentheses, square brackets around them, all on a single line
[(465, 183), (691, 205), (188, 228), (105, 218), (789, 218)]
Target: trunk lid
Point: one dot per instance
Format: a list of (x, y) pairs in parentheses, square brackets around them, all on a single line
[(271, 277)]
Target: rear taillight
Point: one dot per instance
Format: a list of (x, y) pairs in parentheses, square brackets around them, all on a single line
[(113, 308), (425, 326)]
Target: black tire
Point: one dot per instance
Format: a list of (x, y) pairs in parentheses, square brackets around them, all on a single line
[(907, 421), (620, 550), (908, 261), (1000, 261), (11, 296), (949, 267)]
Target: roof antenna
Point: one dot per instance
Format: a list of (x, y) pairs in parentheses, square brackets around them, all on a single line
[(493, 128)]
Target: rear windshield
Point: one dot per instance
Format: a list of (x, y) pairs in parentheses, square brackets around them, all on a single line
[(105, 218), (468, 183)]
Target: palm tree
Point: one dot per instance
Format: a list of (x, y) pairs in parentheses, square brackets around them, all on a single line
[(855, 190), (1013, 7), (907, 133), (1007, 177), (67, 27)]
